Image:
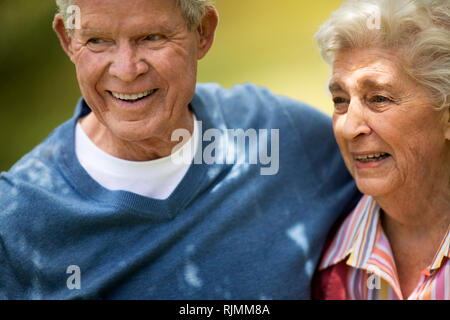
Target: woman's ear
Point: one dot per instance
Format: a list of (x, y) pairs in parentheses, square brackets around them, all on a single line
[(61, 32), (207, 30), (447, 128)]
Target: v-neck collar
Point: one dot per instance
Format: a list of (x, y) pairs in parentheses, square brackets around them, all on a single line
[(188, 188)]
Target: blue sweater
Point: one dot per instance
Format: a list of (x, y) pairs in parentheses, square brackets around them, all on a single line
[(226, 232)]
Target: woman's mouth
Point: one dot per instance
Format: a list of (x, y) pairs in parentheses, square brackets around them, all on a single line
[(370, 160), (374, 157)]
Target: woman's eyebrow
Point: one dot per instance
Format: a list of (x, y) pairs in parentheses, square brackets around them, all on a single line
[(335, 86), (371, 84), (366, 84)]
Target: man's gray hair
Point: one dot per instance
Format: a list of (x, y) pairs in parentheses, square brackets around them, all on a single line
[(193, 10), (418, 29)]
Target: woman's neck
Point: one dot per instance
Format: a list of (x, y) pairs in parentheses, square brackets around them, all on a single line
[(415, 221), (415, 224), (417, 213)]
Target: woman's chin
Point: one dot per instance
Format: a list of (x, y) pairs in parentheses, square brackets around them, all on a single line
[(375, 187)]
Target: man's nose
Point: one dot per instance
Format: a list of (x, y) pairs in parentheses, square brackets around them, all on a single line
[(126, 64), (356, 122)]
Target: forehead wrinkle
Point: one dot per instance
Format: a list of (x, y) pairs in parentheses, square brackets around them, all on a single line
[(164, 26), (96, 20), (362, 80)]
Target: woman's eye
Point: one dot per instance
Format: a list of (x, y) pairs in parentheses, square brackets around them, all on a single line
[(338, 100), (379, 99), (340, 105)]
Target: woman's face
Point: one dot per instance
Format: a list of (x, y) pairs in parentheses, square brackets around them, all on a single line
[(387, 129)]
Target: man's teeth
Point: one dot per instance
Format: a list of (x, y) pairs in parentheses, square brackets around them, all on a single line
[(372, 157), (132, 97)]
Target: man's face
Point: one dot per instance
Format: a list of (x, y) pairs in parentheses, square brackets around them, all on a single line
[(136, 64)]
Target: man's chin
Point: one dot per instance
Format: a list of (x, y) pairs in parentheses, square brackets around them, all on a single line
[(131, 132)]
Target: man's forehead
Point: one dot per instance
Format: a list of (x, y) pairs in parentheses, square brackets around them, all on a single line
[(88, 29), (151, 13), (102, 22), (115, 3)]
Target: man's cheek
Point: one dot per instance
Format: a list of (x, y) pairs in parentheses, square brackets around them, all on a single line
[(88, 73), (83, 79)]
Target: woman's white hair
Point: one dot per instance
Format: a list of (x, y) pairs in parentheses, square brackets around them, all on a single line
[(193, 10), (419, 30)]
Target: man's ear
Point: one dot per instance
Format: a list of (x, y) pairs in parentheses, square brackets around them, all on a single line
[(207, 30), (61, 32)]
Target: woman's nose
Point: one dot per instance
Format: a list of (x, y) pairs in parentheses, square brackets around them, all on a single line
[(356, 122)]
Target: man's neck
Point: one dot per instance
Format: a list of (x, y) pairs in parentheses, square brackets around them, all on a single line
[(146, 150)]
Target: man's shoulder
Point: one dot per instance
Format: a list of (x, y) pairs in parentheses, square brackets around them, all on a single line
[(251, 101), (36, 173), (246, 94)]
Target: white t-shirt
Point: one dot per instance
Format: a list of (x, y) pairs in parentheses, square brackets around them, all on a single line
[(154, 179)]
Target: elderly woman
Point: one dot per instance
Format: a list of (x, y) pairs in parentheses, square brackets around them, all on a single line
[(390, 86)]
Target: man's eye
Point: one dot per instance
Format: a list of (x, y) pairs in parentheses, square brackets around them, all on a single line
[(99, 44), (96, 41), (154, 37)]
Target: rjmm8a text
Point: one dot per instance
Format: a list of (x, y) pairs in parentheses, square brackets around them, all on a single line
[(230, 310)]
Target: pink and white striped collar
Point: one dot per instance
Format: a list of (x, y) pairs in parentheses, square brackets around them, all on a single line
[(357, 236)]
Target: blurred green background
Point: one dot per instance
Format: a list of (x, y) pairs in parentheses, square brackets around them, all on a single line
[(269, 43)]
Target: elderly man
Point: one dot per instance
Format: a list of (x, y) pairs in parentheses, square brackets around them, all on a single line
[(101, 209)]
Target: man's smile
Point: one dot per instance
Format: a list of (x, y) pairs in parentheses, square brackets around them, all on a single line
[(132, 97)]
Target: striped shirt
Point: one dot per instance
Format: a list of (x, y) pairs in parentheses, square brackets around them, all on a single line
[(370, 268)]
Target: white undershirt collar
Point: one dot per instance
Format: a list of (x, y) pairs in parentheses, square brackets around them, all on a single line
[(154, 179)]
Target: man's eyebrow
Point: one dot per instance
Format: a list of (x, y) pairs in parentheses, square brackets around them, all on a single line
[(167, 27), (161, 28), (87, 32)]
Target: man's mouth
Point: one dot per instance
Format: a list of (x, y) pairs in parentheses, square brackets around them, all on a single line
[(132, 97), (372, 157)]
